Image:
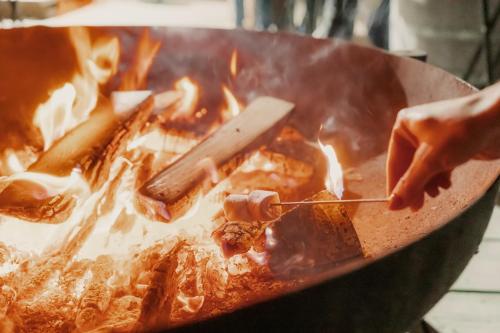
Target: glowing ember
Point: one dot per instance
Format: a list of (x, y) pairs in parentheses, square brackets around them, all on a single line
[(334, 180), (233, 64), (187, 105)]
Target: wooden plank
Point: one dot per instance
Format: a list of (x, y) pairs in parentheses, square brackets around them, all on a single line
[(254, 127), (466, 313), (483, 271)]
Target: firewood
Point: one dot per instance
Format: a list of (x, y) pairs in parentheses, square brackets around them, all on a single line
[(175, 188), (92, 146), (98, 140)]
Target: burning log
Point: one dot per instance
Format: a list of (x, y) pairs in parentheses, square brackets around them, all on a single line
[(52, 60), (173, 190), (100, 139), (312, 236), (18, 200)]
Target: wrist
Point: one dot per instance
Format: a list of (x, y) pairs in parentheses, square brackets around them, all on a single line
[(485, 122), (488, 100)]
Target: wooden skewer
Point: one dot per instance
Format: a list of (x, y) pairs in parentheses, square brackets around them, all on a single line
[(329, 202)]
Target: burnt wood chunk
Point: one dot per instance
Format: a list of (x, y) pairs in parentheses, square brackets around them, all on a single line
[(310, 237), (160, 294), (92, 146), (97, 295), (174, 188), (98, 141)]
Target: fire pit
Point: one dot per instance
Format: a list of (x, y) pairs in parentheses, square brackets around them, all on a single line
[(90, 115)]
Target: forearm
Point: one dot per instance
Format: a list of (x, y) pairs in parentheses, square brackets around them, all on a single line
[(485, 113)]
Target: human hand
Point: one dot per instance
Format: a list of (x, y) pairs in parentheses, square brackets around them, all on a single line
[(429, 141)]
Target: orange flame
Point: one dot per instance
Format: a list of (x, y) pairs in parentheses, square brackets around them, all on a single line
[(135, 77), (233, 64), (13, 162), (55, 116), (190, 95), (104, 58), (233, 106), (70, 104), (334, 178)]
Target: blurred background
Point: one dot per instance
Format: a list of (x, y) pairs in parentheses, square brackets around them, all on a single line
[(461, 36)]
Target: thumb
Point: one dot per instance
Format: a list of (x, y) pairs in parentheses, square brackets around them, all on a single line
[(409, 191)]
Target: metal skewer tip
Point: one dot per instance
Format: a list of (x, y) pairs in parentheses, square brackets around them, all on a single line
[(327, 202)]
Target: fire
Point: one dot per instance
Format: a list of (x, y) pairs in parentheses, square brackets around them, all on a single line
[(190, 95), (11, 163), (233, 108), (103, 61), (70, 104), (109, 262), (14, 163), (135, 76), (55, 116), (46, 186), (233, 64), (334, 179)]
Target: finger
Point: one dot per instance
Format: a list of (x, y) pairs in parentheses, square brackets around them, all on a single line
[(400, 155), (417, 202), (432, 189), (444, 180), (410, 188)]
